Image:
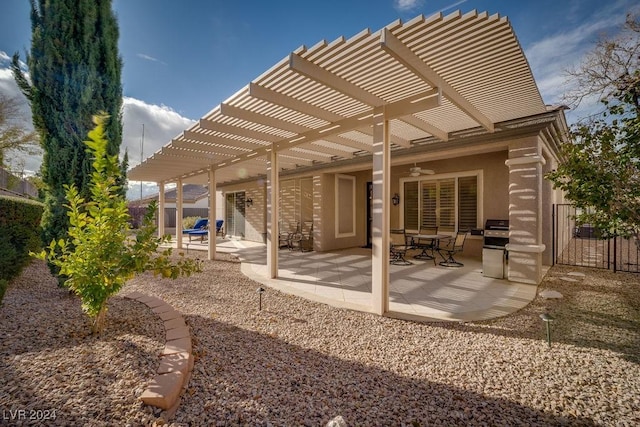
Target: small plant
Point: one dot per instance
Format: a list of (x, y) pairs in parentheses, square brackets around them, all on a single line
[(189, 222), (98, 256)]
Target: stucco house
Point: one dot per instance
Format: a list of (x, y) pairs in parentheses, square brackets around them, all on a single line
[(436, 121)]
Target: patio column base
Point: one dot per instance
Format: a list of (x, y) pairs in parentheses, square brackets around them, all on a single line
[(525, 263)]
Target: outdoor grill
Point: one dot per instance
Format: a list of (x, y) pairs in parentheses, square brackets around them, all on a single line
[(494, 248), (496, 233)]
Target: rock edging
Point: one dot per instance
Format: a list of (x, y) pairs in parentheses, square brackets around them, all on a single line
[(176, 359)]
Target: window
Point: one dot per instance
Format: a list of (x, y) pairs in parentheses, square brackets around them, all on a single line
[(449, 202), (345, 206), (467, 202)]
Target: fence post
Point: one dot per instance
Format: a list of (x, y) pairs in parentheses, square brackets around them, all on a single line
[(554, 225), (615, 252)]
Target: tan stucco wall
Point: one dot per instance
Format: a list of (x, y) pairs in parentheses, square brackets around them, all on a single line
[(255, 215), (495, 201), (495, 197), (324, 211)]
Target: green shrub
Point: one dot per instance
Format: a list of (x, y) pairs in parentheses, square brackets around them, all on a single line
[(99, 255), (189, 222), (19, 234)]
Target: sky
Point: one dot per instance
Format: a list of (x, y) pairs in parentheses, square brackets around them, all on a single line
[(183, 58)]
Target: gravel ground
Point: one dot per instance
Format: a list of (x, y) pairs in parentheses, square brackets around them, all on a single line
[(54, 372), (302, 363)]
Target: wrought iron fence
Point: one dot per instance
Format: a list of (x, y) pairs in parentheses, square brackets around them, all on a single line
[(583, 245)]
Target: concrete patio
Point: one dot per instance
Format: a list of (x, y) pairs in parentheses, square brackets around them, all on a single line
[(420, 292)]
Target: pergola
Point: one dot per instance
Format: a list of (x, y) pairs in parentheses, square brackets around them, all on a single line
[(374, 93)]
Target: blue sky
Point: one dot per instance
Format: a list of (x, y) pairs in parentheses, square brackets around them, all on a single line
[(182, 58)]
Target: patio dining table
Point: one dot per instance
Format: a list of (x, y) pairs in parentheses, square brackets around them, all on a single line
[(434, 242)]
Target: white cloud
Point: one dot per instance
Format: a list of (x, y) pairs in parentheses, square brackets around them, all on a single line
[(161, 124), (149, 58), (553, 55), (407, 5)]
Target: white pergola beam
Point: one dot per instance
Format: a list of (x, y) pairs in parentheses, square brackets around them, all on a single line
[(426, 127), (420, 102), (238, 131), (277, 98), (250, 116), (313, 146), (320, 75), (208, 148), (409, 59), (358, 145), (219, 140)]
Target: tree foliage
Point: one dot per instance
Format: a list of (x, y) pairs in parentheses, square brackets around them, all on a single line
[(99, 255), (13, 135), (600, 170), (74, 71)]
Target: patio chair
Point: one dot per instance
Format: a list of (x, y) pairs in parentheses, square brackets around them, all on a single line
[(201, 224), (219, 229), (427, 246), (284, 237), (399, 245), (450, 247), (303, 240)]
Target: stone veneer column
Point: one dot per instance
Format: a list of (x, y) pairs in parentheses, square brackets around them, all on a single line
[(525, 211)]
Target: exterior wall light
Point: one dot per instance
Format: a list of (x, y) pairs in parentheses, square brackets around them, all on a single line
[(260, 291), (249, 202), (395, 199), (547, 319)]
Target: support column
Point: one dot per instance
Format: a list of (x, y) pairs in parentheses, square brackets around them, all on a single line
[(161, 204), (273, 193), (380, 212), (212, 214), (179, 214), (525, 211)]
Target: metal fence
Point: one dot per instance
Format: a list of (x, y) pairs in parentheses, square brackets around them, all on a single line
[(13, 184), (583, 245)]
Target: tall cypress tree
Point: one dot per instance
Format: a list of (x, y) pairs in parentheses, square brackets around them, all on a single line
[(75, 71)]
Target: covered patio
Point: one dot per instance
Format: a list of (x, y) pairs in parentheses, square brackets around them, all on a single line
[(341, 113), (420, 292)]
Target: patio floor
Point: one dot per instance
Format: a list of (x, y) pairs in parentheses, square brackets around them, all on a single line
[(421, 291)]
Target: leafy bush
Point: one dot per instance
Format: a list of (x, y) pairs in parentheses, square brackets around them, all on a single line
[(19, 234), (189, 222), (98, 255)]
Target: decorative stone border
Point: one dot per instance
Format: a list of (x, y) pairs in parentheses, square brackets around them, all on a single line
[(176, 360)]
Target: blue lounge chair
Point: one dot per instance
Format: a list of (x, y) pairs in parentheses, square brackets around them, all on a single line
[(219, 230), (201, 224), (205, 232)]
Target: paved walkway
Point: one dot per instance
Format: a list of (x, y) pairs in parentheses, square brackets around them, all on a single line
[(421, 291)]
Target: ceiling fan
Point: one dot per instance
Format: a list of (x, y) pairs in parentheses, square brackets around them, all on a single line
[(417, 171)]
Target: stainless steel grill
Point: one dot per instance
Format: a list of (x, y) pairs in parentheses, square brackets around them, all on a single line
[(494, 253), (496, 233)]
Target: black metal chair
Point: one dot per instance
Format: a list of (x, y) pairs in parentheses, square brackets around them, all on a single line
[(450, 247), (427, 246), (303, 240), (399, 247), (284, 237)]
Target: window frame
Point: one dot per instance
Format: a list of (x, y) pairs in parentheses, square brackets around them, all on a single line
[(478, 173)]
